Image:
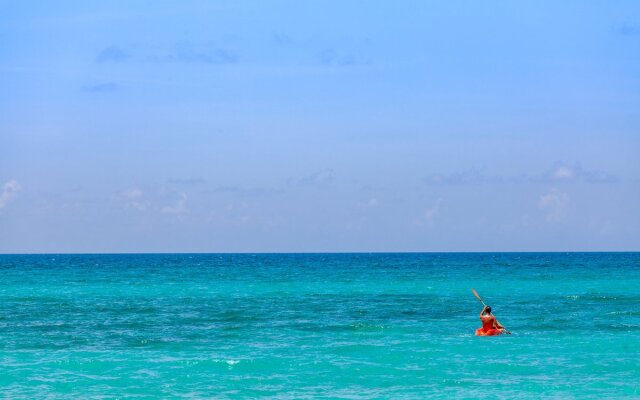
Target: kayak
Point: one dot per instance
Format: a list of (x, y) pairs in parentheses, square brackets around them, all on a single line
[(488, 332)]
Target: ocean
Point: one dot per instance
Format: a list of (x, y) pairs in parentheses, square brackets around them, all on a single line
[(295, 326)]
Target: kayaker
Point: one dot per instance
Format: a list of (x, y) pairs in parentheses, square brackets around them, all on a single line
[(490, 325)]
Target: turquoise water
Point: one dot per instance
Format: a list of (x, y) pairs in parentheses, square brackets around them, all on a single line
[(352, 326)]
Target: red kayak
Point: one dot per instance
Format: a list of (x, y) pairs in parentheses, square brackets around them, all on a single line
[(488, 332)]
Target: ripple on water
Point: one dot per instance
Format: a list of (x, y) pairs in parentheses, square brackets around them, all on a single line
[(358, 326)]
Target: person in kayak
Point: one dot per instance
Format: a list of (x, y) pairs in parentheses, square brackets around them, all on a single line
[(490, 325)]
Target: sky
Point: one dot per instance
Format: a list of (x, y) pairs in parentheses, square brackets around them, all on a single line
[(333, 126)]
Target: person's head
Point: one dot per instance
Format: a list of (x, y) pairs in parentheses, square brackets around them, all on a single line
[(488, 310)]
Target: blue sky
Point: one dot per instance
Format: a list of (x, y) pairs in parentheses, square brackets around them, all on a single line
[(319, 126)]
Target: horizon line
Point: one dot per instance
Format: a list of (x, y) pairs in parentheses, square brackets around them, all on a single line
[(322, 252)]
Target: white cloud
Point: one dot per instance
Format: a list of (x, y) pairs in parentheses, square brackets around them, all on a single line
[(179, 208), (372, 202), (555, 204), (9, 189), (133, 193), (563, 172), (433, 212), (428, 217), (319, 178), (469, 177), (559, 172), (132, 198)]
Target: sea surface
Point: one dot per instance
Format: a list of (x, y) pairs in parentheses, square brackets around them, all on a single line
[(295, 326)]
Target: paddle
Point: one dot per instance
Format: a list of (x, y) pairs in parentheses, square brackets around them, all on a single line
[(480, 298)]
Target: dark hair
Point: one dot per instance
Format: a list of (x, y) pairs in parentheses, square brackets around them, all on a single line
[(488, 309)]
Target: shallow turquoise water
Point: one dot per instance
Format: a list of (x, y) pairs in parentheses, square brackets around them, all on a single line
[(319, 325)]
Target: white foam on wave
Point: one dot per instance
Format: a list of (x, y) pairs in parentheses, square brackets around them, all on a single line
[(229, 362)]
